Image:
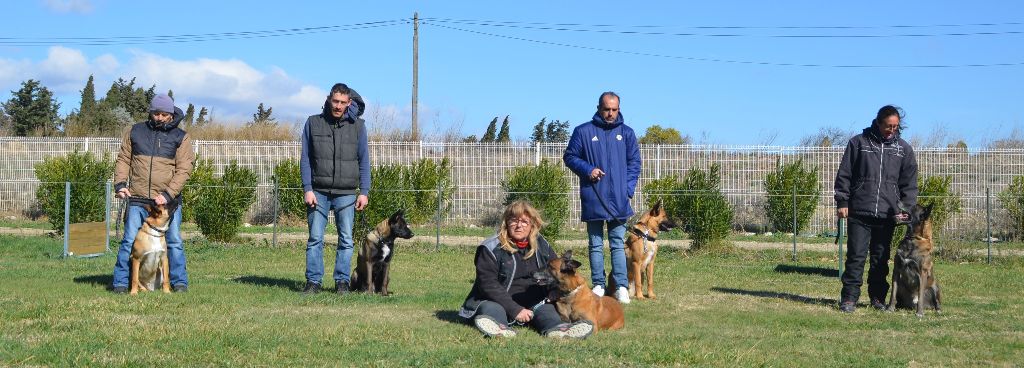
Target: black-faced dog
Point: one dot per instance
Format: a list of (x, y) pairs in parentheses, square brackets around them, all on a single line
[(373, 266), (575, 302), (913, 279), (641, 249)]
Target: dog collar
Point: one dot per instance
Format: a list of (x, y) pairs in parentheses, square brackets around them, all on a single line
[(159, 232), (646, 234)]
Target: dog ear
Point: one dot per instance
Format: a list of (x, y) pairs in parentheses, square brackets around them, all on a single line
[(927, 212), (656, 210), (398, 214), (567, 255), (574, 264)]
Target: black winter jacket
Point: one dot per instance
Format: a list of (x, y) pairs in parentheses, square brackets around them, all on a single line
[(495, 272), (877, 177)]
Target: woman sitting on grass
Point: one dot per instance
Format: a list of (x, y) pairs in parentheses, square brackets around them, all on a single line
[(504, 289)]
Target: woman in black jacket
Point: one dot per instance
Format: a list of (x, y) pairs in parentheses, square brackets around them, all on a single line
[(875, 187), (505, 290)]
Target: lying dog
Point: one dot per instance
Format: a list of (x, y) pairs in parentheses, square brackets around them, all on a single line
[(149, 253), (575, 301), (642, 247), (373, 266), (913, 277)]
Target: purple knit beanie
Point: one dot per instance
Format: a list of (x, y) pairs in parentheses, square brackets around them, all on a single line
[(162, 103)]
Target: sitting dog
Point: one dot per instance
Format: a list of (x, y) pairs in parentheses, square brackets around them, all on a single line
[(575, 301), (642, 247), (913, 277), (149, 253), (373, 266)]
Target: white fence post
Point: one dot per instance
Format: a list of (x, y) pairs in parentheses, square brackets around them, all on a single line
[(536, 159)]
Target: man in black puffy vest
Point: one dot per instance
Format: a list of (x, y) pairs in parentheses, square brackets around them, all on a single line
[(335, 168)]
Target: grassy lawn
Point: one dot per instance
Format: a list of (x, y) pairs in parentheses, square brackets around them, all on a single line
[(743, 308)]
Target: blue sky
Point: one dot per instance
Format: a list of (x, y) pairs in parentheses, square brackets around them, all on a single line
[(736, 89)]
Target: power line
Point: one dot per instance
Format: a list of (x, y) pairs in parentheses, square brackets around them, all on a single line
[(690, 58), (182, 38), (591, 29), (730, 27)]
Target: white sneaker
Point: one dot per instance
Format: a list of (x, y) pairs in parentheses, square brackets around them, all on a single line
[(578, 330), (622, 294), (599, 290), (492, 328)]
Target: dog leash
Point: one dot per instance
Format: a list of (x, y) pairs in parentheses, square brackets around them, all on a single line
[(840, 235)]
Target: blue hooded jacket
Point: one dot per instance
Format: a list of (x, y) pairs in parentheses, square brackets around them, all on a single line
[(613, 149)]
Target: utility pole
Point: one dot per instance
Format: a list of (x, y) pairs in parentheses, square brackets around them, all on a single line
[(415, 74)]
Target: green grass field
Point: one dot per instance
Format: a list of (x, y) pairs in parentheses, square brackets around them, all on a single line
[(742, 308)]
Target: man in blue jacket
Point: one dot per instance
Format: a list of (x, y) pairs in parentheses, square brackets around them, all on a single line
[(335, 169), (604, 154)]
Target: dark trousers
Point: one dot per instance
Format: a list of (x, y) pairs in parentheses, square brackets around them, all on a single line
[(872, 236), (545, 317)]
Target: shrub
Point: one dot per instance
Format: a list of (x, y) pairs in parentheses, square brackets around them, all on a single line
[(779, 205), (707, 214), (546, 187), (413, 188), (387, 195), (202, 174), (667, 190), (222, 202), (291, 198), (88, 176), (1012, 199), (425, 178), (937, 191)]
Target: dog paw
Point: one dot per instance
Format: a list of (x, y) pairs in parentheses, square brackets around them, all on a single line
[(920, 315), (652, 296)]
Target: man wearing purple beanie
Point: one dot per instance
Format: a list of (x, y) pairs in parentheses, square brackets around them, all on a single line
[(155, 160)]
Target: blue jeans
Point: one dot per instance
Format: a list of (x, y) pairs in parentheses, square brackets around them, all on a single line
[(344, 212), (133, 219), (616, 241)]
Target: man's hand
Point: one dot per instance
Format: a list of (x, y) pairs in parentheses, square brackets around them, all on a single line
[(124, 193), (160, 200), (596, 174), (842, 212), (361, 202), (524, 315), (310, 199)]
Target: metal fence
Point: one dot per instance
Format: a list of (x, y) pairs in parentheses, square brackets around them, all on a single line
[(478, 170)]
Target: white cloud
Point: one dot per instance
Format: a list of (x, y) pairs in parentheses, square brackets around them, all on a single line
[(69, 6), (64, 70), (231, 87)]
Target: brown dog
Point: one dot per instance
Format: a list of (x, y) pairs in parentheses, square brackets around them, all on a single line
[(149, 253), (373, 266), (642, 248), (913, 278), (576, 301)]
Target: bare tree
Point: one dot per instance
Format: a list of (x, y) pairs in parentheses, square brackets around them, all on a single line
[(827, 136)]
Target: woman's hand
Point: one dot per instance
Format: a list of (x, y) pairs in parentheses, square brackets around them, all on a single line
[(524, 315)]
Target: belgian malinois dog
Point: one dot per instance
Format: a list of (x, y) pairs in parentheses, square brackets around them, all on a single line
[(373, 266), (575, 301), (913, 277), (149, 253), (642, 248)]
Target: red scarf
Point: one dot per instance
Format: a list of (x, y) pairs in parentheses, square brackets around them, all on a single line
[(522, 244)]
